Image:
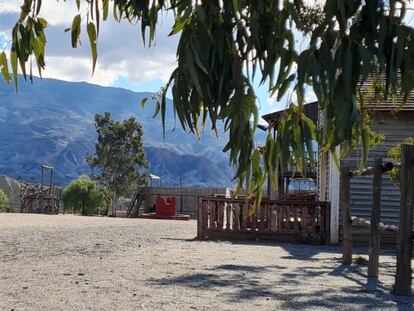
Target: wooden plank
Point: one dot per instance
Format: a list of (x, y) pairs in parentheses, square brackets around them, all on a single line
[(274, 218), (302, 221), (211, 210), (229, 217), (205, 207), (374, 240), (403, 276), (199, 218), (243, 216), (236, 215), (346, 216), (220, 214), (279, 218), (275, 236), (295, 218)]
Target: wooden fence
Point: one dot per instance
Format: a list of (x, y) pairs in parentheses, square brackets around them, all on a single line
[(282, 220), (405, 234)]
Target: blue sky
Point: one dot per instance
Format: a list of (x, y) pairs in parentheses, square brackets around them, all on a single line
[(123, 61)]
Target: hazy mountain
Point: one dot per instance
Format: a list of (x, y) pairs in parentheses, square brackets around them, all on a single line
[(51, 122)]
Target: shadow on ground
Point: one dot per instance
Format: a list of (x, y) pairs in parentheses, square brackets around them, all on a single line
[(239, 283)]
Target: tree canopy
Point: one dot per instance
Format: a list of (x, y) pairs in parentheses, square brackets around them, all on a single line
[(86, 197), (119, 161), (224, 45)]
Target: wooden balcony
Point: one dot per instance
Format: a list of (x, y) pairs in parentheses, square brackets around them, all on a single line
[(281, 220)]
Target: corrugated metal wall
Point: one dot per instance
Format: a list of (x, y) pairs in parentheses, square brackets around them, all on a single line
[(395, 131)]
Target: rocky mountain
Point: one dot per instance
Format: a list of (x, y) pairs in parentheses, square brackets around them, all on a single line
[(51, 122)]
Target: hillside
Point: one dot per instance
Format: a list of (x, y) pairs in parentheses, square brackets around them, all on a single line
[(51, 122)]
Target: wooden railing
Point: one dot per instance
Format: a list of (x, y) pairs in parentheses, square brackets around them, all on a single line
[(282, 220)]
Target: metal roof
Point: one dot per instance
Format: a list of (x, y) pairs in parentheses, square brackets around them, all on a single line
[(310, 110)]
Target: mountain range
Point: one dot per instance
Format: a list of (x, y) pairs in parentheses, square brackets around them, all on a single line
[(52, 122)]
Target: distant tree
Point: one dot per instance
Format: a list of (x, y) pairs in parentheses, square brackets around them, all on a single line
[(4, 201), (119, 162), (84, 196)]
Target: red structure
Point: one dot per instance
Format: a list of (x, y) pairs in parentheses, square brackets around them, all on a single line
[(165, 208)]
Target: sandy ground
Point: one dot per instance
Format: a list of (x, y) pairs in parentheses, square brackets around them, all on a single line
[(85, 263)]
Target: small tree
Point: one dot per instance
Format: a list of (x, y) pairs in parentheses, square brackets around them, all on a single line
[(4, 201), (86, 197), (119, 161)]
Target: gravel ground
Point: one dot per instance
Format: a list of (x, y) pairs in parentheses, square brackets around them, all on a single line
[(92, 263)]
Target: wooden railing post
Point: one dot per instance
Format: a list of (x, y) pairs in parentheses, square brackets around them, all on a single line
[(374, 238), (403, 276), (346, 216), (199, 218)]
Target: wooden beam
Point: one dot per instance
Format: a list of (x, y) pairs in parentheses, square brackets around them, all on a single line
[(403, 276), (374, 238), (199, 218), (346, 216), (362, 222)]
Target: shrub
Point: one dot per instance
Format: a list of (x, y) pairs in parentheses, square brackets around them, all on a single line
[(84, 196), (395, 154), (4, 202)]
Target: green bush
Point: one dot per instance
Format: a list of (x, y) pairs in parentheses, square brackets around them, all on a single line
[(4, 202), (395, 154), (84, 196)]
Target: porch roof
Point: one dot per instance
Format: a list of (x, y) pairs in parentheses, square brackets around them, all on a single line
[(310, 110)]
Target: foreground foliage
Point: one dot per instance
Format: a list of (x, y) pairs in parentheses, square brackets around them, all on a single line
[(224, 45), (84, 196)]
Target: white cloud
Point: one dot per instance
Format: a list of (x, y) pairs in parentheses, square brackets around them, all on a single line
[(54, 11), (121, 52), (10, 6), (289, 97)]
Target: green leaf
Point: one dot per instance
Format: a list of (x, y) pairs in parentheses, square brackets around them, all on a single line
[(143, 102), (76, 30), (105, 9), (13, 62), (92, 39), (78, 4), (42, 22), (4, 67), (157, 109)]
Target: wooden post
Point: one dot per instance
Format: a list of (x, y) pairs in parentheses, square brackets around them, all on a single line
[(403, 276), (374, 238), (199, 218), (346, 216), (41, 193)]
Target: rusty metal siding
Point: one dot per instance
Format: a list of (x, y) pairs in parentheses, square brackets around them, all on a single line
[(395, 131)]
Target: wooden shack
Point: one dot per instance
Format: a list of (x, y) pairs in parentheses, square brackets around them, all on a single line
[(396, 124)]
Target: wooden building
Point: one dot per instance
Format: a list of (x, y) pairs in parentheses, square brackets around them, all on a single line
[(396, 125), (273, 119)]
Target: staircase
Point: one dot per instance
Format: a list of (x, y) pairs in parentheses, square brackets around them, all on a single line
[(136, 202)]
